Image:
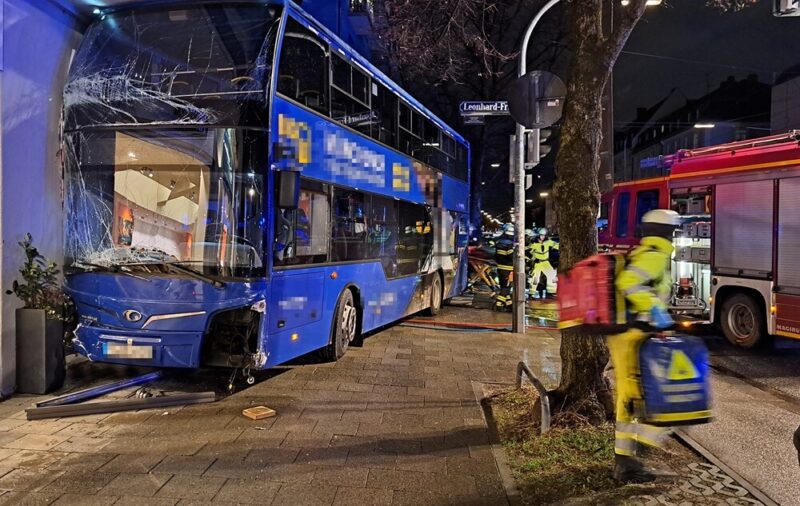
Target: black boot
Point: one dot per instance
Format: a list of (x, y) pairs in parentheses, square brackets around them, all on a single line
[(630, 470)]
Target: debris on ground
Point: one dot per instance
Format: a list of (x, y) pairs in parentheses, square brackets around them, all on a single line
[(259, 412)]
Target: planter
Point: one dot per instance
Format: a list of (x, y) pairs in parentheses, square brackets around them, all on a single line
[(40, 352)]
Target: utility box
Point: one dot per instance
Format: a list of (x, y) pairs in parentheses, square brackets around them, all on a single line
[(701, 255), (683, 253), (704, 230), (696, 206)]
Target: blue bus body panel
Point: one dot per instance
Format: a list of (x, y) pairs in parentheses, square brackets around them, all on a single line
[(102, 300), (297, 294), (324, 150)]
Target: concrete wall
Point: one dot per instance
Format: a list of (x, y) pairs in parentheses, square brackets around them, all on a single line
[(38, 39), (786, 106)]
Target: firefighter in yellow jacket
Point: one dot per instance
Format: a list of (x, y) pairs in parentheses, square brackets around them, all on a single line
[(646, 284), (540, 252)]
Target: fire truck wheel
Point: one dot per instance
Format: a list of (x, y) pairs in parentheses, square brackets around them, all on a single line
[(743, 321)]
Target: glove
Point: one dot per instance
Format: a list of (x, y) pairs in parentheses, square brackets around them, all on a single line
[(660, 318)]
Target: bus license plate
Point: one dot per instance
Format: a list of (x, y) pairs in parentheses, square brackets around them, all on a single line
[(114, 350)]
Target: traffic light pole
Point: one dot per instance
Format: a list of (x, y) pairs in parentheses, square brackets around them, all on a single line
[(518, 318)]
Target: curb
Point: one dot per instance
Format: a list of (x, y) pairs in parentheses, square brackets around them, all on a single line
[(500, 460), (706, 454)]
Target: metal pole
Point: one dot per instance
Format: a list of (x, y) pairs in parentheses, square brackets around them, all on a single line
[(518, 318)]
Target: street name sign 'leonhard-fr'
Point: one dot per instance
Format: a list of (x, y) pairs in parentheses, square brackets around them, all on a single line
[(484, 108)]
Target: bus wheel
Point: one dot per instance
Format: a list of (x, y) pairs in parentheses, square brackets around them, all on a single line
[(742, 321), (436, 296), (344, 327)]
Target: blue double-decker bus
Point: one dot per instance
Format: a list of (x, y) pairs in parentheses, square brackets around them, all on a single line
[(242, 188)]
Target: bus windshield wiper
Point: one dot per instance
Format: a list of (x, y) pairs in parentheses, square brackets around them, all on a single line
[(177, 266), (115, 269)]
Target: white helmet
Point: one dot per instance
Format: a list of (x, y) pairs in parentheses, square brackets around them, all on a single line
[(528, 233), (542, 231), (662, 217), (508, 229)]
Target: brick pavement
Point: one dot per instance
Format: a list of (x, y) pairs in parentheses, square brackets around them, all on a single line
[(393, 422)]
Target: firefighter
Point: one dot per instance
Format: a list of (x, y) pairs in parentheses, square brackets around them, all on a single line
[(504, 258), (529, 236), (646, 284), (540, 251)]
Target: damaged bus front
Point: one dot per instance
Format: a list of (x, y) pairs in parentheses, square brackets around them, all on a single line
[(166, 167)]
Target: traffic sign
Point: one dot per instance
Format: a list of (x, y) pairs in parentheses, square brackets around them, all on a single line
[(536, 100), (484, 108)]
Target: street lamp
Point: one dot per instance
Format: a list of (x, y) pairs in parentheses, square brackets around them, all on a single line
[(544, 195), (704, 125), (649, 2), (495, 165)]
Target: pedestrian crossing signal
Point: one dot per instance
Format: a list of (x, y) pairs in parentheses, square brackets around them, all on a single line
[(681, 367)]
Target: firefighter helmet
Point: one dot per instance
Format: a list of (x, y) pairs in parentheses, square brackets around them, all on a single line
[(508, 229), (662, 217), (543, 231)]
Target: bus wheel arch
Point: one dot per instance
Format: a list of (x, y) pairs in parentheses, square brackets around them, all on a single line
[(436, 294), (345, 325), (741, 314)]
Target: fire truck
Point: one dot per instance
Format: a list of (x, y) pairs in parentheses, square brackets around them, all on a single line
[(737, 255)]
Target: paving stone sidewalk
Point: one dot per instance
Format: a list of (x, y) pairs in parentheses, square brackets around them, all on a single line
[(394, 422)]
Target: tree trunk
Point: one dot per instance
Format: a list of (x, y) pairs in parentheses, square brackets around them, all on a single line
[(583, 388)]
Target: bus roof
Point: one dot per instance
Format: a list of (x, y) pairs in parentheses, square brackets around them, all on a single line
[(311, 22), (373, 71)]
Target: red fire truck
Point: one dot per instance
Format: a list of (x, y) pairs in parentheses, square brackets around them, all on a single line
[(737, 257)]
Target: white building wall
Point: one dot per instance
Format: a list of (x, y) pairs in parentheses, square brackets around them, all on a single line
[(38, 40)]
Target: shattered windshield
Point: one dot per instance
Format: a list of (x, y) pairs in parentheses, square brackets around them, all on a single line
[(197, 65), (191, 197)]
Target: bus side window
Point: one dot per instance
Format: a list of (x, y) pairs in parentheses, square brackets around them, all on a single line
[(646, 200), (350, 96), (301, 235), (382, 236), (623, 204), (384, 116), (349, 232), (302, 72), (416, 239)]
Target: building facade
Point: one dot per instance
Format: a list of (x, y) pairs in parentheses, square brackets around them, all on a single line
[(737, 110)]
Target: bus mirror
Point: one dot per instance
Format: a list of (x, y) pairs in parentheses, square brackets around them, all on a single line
[(288, 189)]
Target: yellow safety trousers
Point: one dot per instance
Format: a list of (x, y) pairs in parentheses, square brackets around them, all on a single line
[(624, 349)]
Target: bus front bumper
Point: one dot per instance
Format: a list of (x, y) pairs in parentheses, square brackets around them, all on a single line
[(136, 347)]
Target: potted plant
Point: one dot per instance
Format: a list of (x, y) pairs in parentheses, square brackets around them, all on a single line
[(40, 322)]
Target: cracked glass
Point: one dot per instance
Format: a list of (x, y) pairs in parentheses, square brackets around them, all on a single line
[(165, 142)]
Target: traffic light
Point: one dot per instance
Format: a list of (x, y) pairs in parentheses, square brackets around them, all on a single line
[(785, 8), (536, 146)]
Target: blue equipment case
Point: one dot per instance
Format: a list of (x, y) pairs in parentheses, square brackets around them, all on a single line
[(675, 381)]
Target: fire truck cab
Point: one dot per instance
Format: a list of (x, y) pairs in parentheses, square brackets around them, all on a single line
[(737, 256)]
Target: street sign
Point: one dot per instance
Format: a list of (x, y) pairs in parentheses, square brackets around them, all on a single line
[(484, 108), (536, 100), (473, 120)]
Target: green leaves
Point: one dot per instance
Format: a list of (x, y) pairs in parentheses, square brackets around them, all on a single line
[(39, 287)]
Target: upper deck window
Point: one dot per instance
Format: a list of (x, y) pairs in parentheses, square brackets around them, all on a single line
[(200, 65)]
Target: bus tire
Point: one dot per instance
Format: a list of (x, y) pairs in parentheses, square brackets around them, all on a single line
[(742, 321), (343, 328), (435, 296)]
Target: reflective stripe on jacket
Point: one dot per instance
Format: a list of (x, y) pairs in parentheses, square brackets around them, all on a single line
[(540, 251), (504, 254), (645, 282)]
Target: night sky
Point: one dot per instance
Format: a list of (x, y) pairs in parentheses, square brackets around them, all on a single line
[(694, 48)]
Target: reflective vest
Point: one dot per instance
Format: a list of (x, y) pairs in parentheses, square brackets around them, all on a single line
[(645, 282), (540, 250)]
